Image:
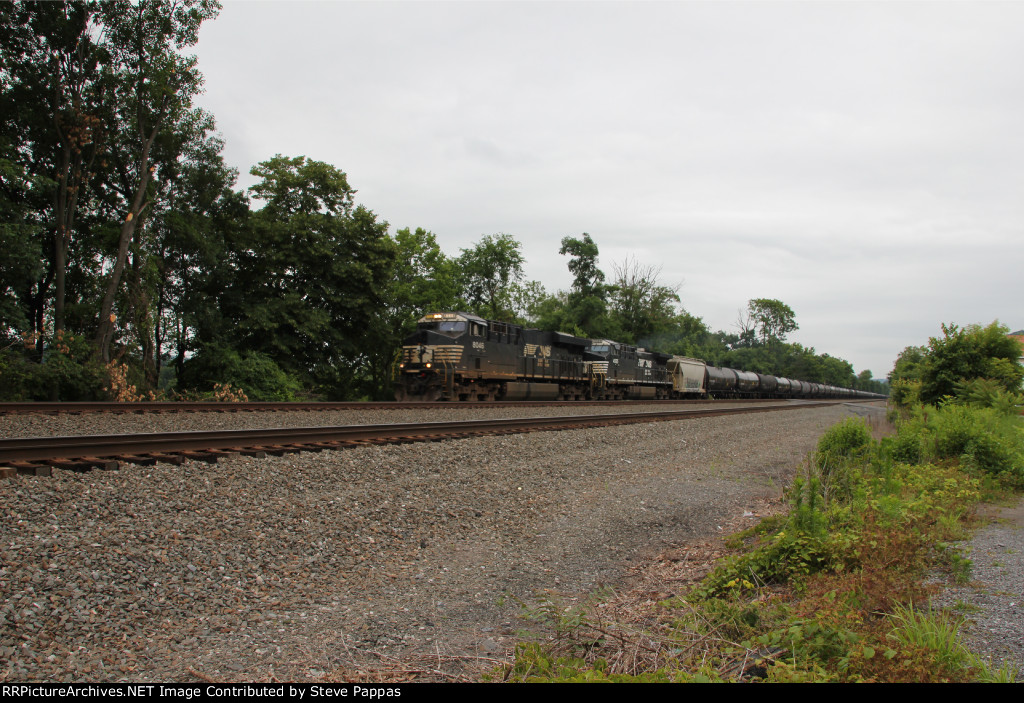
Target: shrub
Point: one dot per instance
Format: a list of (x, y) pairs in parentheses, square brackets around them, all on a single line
[(988, 393), (981, 437), (905, 393), (68, 367), (848, 439), (252, 373)]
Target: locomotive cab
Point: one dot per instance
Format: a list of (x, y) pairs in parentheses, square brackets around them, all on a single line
[(432, 354)]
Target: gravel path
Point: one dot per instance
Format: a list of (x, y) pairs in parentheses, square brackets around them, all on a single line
[(305, 565), (993, 601)]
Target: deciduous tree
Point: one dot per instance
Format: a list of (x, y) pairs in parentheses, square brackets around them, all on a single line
[(773, 319), (489, 271), (315, 274), (640, 305)]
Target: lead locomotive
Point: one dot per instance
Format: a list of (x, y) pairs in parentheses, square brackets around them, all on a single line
[(458, 356)]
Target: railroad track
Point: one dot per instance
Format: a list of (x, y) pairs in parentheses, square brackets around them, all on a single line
[(73, 408), (38, 455)]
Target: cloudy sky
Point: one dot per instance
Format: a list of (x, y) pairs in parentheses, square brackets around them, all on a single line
[(861, 161)]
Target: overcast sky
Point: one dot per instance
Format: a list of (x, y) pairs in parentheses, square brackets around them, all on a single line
[(861, 161)]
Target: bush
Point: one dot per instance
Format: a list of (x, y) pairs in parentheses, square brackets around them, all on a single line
[(970, 353), (905, 393), (904, 448), (982, 438), (988, 393), (254, 373), (849, 439), (69, 367)]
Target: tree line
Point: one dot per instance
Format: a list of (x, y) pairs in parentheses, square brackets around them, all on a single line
[(132, 266)]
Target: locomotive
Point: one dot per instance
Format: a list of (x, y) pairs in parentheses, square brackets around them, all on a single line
[(463, 357)]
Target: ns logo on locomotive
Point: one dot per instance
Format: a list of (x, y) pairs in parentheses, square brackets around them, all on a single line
[(459, 356)]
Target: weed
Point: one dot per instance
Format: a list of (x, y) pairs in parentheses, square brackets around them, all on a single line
[(961, 567), (937, 632)]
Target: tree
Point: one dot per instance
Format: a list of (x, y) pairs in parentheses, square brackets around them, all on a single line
[(189, 261), (21, 262), (424, 278), (53, 102), (908, 365), (640, 306), (151, 87), (315, 273), (772, 318), (95, 98), (489, 271), (962, 355), (587, 302), (588, 279)]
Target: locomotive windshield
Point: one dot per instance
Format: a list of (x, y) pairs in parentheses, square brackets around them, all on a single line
[(599, 348), (447, 327)]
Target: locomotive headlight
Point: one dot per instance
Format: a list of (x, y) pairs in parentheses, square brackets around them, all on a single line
[(428, 364), (401, 366)]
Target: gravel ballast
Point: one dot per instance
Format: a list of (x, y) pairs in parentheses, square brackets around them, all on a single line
[(29, 425), (296, 567)]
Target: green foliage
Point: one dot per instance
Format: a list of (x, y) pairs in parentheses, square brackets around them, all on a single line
[(821, 594), (969, 353), (588, 279), (535, 664), (844, 441), (909, 365), (489, 271), (937, 632), (97, 104), (69, 367), (982, 438), (21, 263), (315, 273), (255, 373), (812, 644), (961, 567), (641, 308), (585, 310), (792, 554), (905, 393), (988, 393), (773, 318)]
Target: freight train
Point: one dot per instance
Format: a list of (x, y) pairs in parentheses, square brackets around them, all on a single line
[(463, 357)]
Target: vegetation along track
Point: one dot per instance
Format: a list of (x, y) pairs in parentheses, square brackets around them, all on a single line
[(38, 455)]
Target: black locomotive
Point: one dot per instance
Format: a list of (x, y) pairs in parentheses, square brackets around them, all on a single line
[(459, 356)]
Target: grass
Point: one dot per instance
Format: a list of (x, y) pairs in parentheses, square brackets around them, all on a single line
[(825, 593)]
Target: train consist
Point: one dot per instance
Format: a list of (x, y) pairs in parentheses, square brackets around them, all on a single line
[(458, 356)]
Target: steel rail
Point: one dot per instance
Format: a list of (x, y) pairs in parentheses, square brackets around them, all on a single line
[(166, 406), (129, 446)]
